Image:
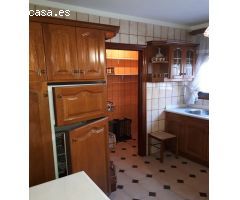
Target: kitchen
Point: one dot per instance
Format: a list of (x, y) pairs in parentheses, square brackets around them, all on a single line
[(67, 68), (74, 101)]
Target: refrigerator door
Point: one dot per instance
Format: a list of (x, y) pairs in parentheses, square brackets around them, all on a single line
[(79, 103), (88, 147)]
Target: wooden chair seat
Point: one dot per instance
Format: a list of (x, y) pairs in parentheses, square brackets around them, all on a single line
[(161, 137)]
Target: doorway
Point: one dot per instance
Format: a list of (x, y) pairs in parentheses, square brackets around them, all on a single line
[(127, 88)]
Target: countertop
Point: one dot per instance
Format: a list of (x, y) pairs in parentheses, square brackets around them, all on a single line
[(73, 187), (181, 110)]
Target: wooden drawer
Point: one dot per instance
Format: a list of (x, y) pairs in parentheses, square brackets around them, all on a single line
[(79, 103)]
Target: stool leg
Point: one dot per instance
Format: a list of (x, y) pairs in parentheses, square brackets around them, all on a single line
[(176, 147), (149, 145), (162, 151)]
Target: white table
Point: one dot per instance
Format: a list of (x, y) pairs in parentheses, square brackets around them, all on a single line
[(76, 186)]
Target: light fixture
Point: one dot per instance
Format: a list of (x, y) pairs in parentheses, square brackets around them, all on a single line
[(206, 33)]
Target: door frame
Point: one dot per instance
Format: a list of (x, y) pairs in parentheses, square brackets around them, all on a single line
[(142, 73)]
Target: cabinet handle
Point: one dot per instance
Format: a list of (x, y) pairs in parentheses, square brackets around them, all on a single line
[(97, 130), (182, 74), (59, 96), (42, 71), (75, 71), (81, 71), (45, 94)]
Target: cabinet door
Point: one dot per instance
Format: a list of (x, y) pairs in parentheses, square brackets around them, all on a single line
[(177, 128), (91, 53), (61, 52), (89, 151), (79, 103), (176, 62), (189, 62), (37, 67), (195, 141), (41, 164)]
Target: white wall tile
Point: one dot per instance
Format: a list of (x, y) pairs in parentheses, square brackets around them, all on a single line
[(162, 92), (56, 13), (133, 39), (199, 102), (149, 116), (177, 34), (174, 100), (183, 35), (149, 127), (149, 30), (156, 38), (175, 91), (46, 8), (82, 17), (154, 126), (168, 91), (161, 114), (94, 18), (206, 102), (154, 104), (162, 103), (124, 26), (168, 101), (149, 38), (155, 93), (156, 31), (73, 16), (115, 39), (141, 39), (141, 29), (149, 93), (164, 32), (171, 33), (124, 38), (31, 7), (149, 85), (104, 20), (161, 125), (133, 28), (149, 104), (154, 115), (114, 22)]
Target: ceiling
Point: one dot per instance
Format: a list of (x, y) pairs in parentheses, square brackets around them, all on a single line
[(182, 12)]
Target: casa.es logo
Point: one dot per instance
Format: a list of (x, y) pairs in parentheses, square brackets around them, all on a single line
[(49, 13)]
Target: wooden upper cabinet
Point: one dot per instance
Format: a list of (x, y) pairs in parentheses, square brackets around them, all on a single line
[(61, 52), (91, 53), (37, 67), (89, 151), (79, 103), (41, 164)]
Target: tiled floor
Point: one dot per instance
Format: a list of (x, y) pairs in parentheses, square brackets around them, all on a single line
[(146, 178)]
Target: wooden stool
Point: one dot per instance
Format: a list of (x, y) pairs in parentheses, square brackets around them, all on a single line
[(161, 137)]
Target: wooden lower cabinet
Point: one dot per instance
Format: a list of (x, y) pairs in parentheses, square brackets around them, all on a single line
[(89, 152), (41, 164), (192, 135)]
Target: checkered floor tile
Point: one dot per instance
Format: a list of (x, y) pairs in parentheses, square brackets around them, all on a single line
[(146, 178)]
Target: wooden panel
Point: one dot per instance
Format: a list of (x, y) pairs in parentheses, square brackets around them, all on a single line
[(61, 52), (89, 152), (78, 103), (37, 67), (91, 53), (41, 164)]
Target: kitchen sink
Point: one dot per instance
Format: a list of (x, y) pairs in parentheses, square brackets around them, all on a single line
[(197, 111)]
